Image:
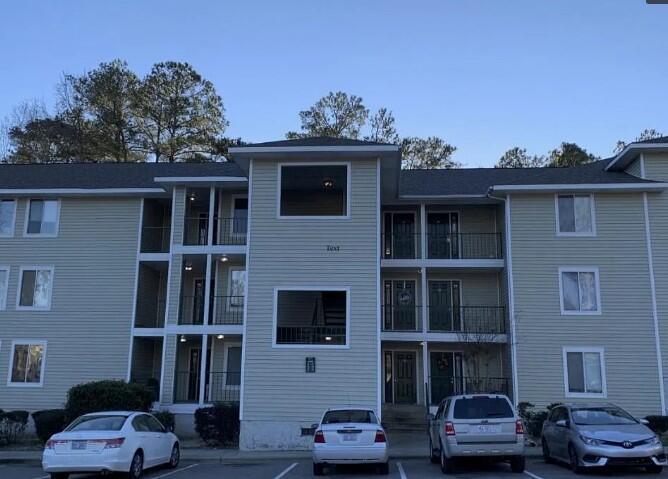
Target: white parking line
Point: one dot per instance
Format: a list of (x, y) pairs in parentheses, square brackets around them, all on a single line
[(401, 471), (531, 474), (286, 471), (174, 471)]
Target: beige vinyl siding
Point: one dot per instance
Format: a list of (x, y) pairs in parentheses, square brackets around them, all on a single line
[(625, 327), (634, 169), (293, 253), (88, 326)]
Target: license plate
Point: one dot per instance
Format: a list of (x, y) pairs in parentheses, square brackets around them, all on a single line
[(79, 445), (487, 428), (349, 437)]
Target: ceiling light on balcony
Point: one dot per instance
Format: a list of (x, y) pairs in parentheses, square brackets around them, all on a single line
[(183, 339), (224, 259), (189, 267), (192, 197), (328, 183), (221, 336), (328, 338)]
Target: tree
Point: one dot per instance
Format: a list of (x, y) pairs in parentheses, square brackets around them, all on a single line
[(518, 158), (646, 134), (569, 154), (382, 127), (337, 115), (179, 115), (48, 140), (427, 153), (21, 115)]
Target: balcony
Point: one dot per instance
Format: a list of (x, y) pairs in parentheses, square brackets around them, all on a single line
[(467, 319), (156, 226), (450, 246), (191, 309), (228, 231), (228, 310), (407, 318), (441, 387)]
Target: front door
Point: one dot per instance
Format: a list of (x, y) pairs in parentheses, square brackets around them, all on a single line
[(444, 306), (445, 375), (399, 235), (193, 374), (399, 306), (404, 377), (443, 235)]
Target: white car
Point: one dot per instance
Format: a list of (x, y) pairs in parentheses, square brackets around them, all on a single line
[(121, 441), (349, 436)]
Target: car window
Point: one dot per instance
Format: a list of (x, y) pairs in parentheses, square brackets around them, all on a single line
[(482, 407), (97, 423), (601, 416), (141, 424), (350, 415), (154, 425)]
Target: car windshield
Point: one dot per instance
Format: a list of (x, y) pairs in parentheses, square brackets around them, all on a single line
[(601, 416), (349, 415), (482, 407), (97, 423)]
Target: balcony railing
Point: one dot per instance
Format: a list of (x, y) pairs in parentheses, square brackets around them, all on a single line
[(468, 319), (310, 335), (155, 239), (464, 246), (230, 231), (228, 310), (401, 246), (223, 386), (191, 310), (402, 318), (444, 386)]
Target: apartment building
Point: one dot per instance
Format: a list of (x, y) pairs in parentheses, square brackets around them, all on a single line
[(312, 273)]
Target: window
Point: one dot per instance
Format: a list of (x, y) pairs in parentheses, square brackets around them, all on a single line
[(311, 317), (237, 287), (314, 190), (7, 217), (482, 407), (27, 363), (239, 215), (342, 416), (97, 423), (4, 286), (42, 217), (35, 287), (575, 215), (580, 292), (584, 372)]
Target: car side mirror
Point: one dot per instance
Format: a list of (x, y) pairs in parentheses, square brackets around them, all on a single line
[(562, 423)]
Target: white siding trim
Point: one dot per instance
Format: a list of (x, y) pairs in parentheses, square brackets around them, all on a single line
[(379, 295), (79, 191), (42, 371), (4, 294), (511, 302), (134, 294), (583, 350), (20, 285), (245, 316), (580, 187), (592, 209), (311, 149), (27, 216), (597, 281), (197, 179), (13, 222)]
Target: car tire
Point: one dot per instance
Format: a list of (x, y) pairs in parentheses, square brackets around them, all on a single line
[(174, 457), (318, 469), (384, 469), (654, 469), (447, 465), (60, 475), (546, 452), (433, 455), (574, 460), (517, 464), (136, 466)]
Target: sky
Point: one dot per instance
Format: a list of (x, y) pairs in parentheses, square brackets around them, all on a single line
[(484, 75)]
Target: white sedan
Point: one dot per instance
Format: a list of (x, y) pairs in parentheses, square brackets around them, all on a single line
[(349, 436), (110, 442)]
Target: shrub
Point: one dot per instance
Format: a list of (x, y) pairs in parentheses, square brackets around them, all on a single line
[(49, 422), (166, 418), (218, 425), (107, 396), (658, 424), (533, 420), (12, 425)]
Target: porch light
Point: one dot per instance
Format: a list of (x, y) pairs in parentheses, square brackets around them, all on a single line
[(224, 259), (183, 338), (220, 336), (328, 338), (189, 267), (192, 197), (328, 183)]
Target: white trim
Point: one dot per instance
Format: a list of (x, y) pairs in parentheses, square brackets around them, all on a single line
[(511, 301), (349, 188), (230, 272), (592, 213), (35, 268), (42, 370), (379, 294), (597, 282), (409, 197), (13, 221), (78, 191), (633, 146), (198, 179), (202, 367), (652, 282), (583, 351), (27, 216), (311, 149), (5, 293), (245, 314), (580, 187), (277, 289)]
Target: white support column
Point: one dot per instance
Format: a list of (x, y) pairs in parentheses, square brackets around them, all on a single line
[(425, 373), (425, 328), (212, 204), (202, 369), (207, 289), (423, 231)]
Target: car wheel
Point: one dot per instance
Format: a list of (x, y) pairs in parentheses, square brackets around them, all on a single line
[(654, 469), (517, 464), (447, 465), (433, 455), (318, 469), (546, 452), (574, 460), (175, 456), (136, 466), (60, 475), (384, 468)]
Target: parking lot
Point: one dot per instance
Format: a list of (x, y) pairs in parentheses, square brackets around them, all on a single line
[(301, 468)]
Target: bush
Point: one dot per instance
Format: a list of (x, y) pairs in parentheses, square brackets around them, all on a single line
[(107, 396), (166, 418), (533, 420), (218, 425), (49, 422), (12, 425), (658, 424)]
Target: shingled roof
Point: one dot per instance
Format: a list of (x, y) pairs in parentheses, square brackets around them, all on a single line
[(315, 141)]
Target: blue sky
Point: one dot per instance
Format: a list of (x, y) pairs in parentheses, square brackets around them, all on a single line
[(484, 75)]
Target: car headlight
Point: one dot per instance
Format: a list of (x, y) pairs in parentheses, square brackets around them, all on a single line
[(590, 441), (655, 441)]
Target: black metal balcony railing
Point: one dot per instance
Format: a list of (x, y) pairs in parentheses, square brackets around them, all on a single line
[(468, 319), (464, 246), (155, 239), (230, 231), (196, 230), (191, 310), (444, 386), (401, 246), (310, 335), (223, 386), (228, 310), (402, 318)]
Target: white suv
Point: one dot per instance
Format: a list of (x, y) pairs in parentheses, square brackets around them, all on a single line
[(478, 425)]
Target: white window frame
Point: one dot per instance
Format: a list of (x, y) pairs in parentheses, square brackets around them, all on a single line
[(597, 282), (280, 165), (42, 371), (584, 350), (5, 293), (230, 274), (13, 222), (277, 289), (592, 207), (27, 218), (20, 286)]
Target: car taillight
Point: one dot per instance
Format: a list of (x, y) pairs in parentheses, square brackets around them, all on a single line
[(380, 436), (319, 437), (113, 443), (519, 427), (51, 443), (449, 429)]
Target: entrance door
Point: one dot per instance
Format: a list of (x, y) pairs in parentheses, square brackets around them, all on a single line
[(445, 375), (400, 311), (193, 374), (399, 235), (443, 235), (198, 301), (404, 377), (444, 306)]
